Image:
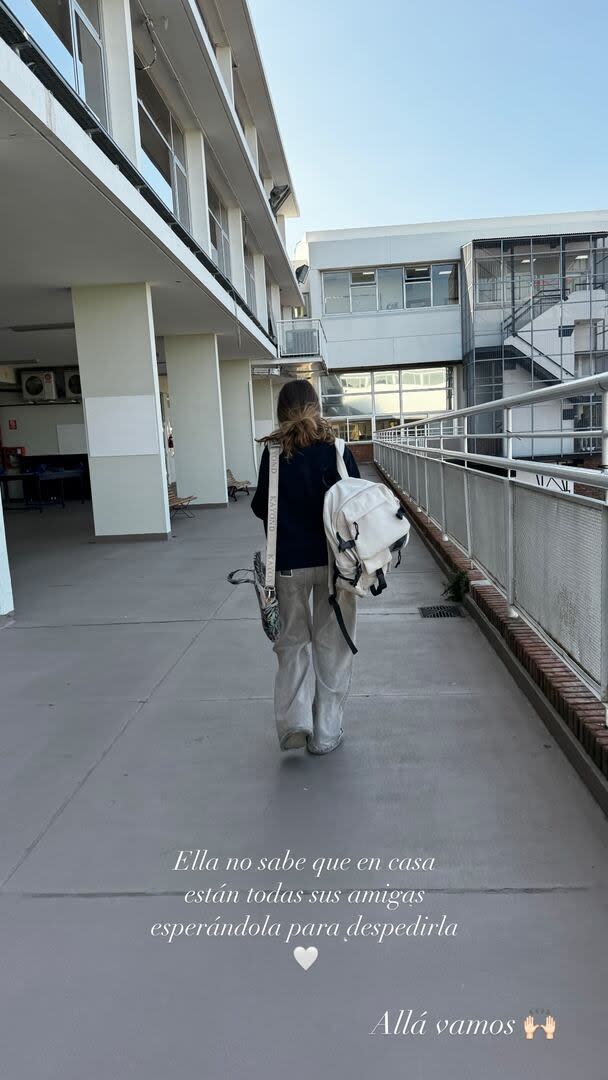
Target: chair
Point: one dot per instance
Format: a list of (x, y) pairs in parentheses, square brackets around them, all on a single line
[(178, 503), (236, 485)]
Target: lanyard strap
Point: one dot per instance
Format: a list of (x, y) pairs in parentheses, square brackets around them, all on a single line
[(273, 506)]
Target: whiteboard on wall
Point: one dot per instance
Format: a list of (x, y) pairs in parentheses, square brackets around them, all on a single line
[(71, 439)]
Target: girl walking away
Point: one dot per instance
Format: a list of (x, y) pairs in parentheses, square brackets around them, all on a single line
[(315, 662)]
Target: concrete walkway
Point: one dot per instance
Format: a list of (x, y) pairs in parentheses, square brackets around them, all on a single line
[(136, 691)]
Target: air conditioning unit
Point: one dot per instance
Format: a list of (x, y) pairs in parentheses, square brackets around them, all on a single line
[(302, 341), (38, 386), (73, 391)]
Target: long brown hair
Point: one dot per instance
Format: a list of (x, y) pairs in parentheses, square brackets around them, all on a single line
[(300, 420)]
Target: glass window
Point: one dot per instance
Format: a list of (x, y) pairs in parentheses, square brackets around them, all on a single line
[(445, 284), (69, 34), (89, 66), (218, 231), (386, 380), (419, 377), (336, 291), (357, 405), (389, 422), (249, 277), (363, 277), (488, 274), (363, 290), (425, 401), (341, 429), (162, 142), (387, 404), (417, 273), (356, 381), (359, 430), (363, 298), (417, 294), (545, 272), (390, 288)]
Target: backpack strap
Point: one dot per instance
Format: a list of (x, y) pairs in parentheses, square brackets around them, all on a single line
[(342, 470), (334, 603), (274, 451)]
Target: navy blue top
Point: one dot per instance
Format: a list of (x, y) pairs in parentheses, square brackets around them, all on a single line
[(303, 481)]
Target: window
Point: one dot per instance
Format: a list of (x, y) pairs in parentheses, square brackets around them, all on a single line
[(218, 231), (390, 288), (336, 291), (445, 284), (249, 277), (417, 286), (69, 33), (363, 290), (162, 143)]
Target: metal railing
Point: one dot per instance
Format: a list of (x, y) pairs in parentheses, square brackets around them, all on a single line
[(541, 542), (300, 338)]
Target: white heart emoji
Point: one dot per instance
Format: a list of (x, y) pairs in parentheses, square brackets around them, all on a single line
[(305, 957)]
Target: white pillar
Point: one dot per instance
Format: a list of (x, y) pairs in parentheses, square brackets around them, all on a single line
[(282, 230), (6, 591), (237, 409), (197, 187), (237, 255), (261, 300), (120, 75), (251, 135), (224, 59), (275, 301), (196, 417), (119, 377)]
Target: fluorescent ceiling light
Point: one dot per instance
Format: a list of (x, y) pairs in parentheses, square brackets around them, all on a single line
[(418, 268), (444, 273), (576, 257), (525, 260)]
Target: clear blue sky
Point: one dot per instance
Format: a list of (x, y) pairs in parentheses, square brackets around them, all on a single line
[(398, 111)]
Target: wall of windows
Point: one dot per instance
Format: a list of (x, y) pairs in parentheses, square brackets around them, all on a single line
[(249, 271), (162, 143), (534, 311), (69, 33), (361, 402), (390, 288), (218, 231)]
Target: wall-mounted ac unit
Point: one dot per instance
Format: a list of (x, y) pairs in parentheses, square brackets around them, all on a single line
[(38, 386), (73, 391)]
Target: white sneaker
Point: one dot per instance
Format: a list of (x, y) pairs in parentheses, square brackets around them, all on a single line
[(312, 749)]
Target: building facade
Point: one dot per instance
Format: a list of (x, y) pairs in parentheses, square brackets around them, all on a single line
[(414, 319), (144, 272)]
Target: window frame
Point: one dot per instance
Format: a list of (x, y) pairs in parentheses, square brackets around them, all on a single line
[(223, 263), (175, 162), (405, 282)]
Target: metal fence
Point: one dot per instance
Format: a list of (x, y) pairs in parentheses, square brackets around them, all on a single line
[(520, 522)]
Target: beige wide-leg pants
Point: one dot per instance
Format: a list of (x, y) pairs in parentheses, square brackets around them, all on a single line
[(315, 663)]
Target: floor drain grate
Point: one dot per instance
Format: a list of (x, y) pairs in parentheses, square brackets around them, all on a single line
[(441, 611)]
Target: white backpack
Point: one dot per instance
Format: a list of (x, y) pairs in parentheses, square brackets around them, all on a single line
[(364, 524)]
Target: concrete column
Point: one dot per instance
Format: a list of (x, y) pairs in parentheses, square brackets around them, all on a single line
[(193, 376), (237, 409), (275, 302), (237, 256), (251, 135), (261, 301), (120, 75), (197, 187), (224, 58), (119, 377), (282, 230), (6, 591)]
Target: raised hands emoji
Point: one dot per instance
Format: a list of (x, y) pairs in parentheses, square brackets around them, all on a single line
[(530, 1027), (549, 1027)]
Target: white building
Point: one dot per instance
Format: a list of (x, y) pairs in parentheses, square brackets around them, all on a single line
[(414, 318), (143, 191)]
